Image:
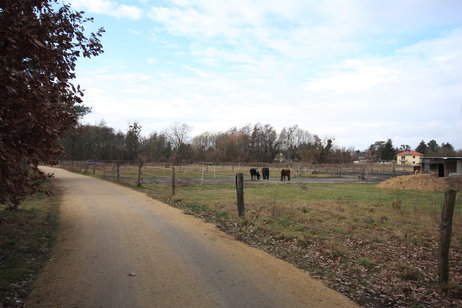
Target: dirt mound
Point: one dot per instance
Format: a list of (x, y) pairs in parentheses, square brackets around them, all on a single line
[(422, 182)]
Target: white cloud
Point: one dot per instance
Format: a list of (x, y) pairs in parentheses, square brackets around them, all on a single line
[(353, 76), (189, 21), (110, 8), (304, 29), (134, 32), (411, 94)]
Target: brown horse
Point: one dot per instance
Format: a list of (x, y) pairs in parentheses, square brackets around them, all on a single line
[(265, 173), (285, 173), (416, 169)]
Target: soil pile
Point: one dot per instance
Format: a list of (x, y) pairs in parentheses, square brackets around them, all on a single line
[(422, 182)]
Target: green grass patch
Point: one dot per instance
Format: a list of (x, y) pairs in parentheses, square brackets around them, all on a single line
[(367, 262), (26, 237), (197, 208)]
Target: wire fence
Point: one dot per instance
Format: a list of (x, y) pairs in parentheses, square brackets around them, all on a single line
[(307, 194), (219, 173)]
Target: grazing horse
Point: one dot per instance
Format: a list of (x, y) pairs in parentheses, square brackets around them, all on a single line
[(416, 169), (254, 173), (265, 173), (285, 173)]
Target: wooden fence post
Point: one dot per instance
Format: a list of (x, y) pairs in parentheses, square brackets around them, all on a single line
[(94, 167), (445, 236), (118, 171), (139, 174), (240, 194), (173, 181)]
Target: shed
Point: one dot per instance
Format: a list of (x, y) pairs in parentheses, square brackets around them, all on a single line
[(442, 166)]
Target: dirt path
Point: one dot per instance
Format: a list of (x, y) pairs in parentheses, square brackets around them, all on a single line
[(108, 232)]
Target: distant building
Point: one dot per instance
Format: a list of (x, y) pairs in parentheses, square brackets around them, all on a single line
[(442, 166), (410, 158)]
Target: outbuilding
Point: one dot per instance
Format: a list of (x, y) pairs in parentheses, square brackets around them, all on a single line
[(442, 166)]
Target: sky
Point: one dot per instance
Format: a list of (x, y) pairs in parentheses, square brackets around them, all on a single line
[(355, 71)]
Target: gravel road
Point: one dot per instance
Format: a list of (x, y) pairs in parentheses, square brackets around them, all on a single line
[(118, 248)]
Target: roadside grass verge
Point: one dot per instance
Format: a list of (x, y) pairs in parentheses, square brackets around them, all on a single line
[(26, 237), (378, 247)]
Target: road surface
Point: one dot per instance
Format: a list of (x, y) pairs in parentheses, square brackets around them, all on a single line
[(118, 248)]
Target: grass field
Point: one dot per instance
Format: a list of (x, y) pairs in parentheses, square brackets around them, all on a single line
[(379, 247), (26, 236)]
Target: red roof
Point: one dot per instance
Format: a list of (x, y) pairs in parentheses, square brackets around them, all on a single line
[(409, 153)]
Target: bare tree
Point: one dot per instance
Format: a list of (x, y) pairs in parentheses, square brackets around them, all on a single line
[(178, 134), (204, 146)]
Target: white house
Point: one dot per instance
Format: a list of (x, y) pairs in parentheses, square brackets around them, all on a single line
[(411, 158)]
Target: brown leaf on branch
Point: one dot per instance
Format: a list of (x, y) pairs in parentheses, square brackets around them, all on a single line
[(38, 103)]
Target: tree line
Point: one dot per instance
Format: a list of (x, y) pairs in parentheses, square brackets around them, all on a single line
[(250, 143)]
